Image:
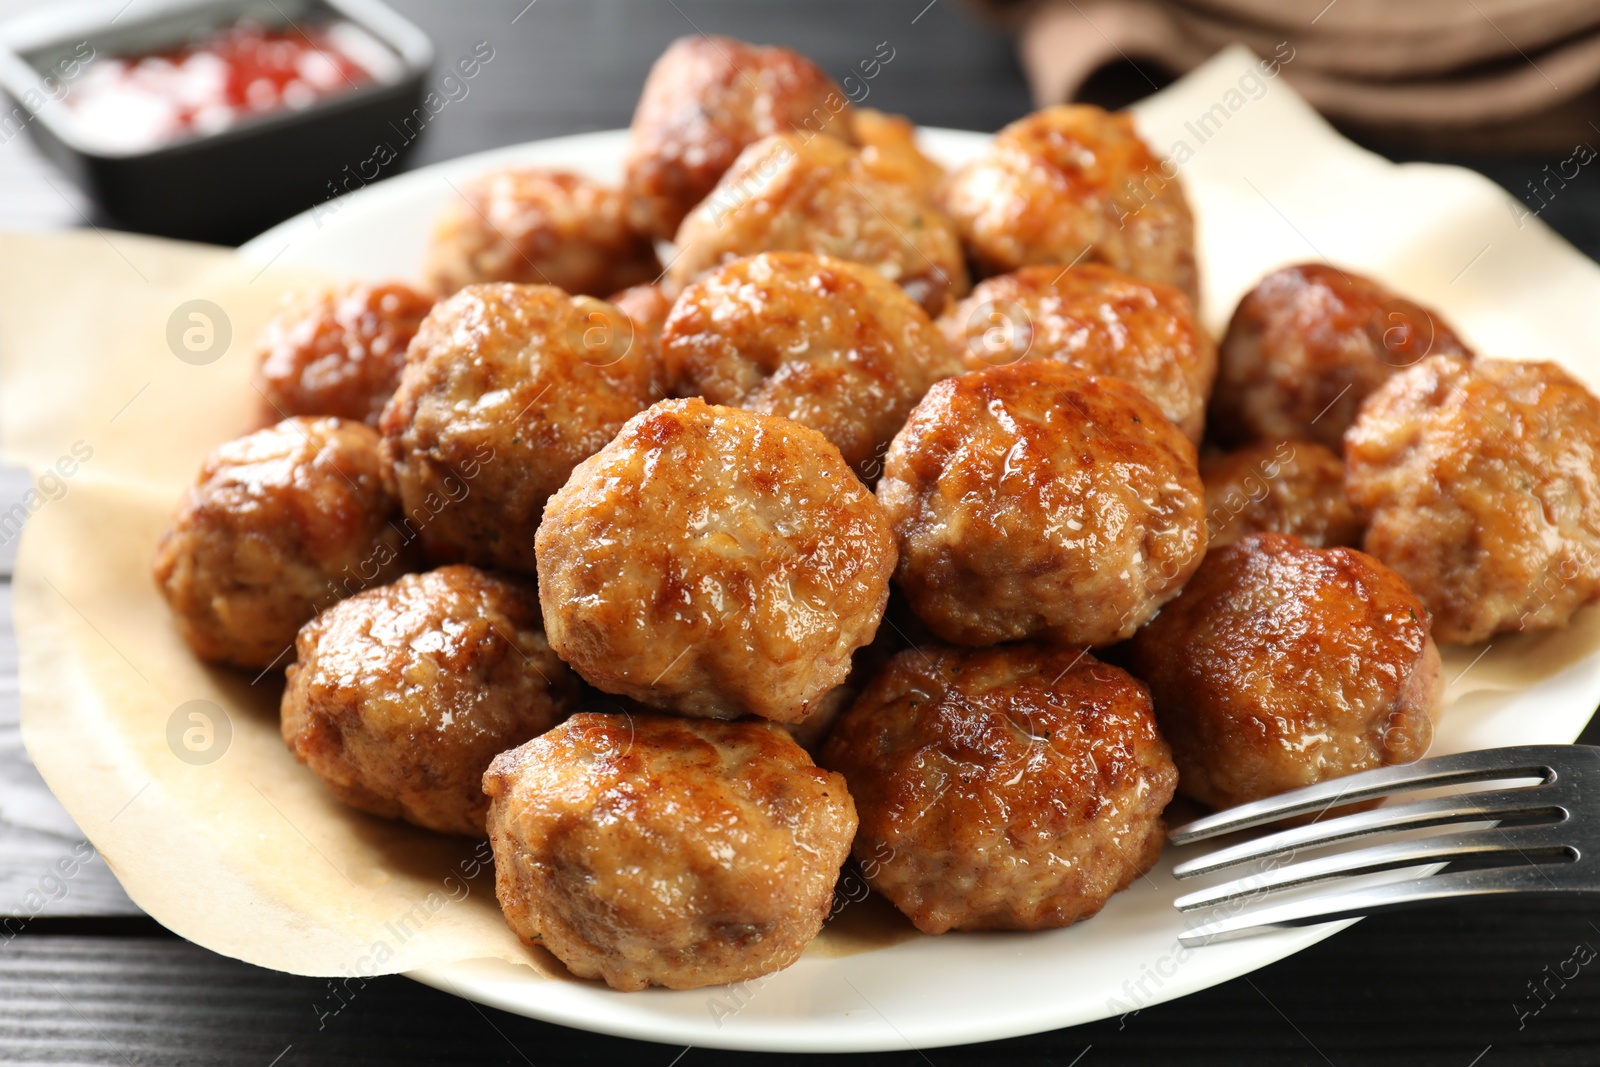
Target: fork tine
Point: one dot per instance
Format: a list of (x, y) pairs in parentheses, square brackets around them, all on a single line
[(1489, 844), (1527, 761), (1471, 807), (1453, 885)]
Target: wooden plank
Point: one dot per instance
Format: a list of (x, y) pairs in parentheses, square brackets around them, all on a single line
[(1437, 986)]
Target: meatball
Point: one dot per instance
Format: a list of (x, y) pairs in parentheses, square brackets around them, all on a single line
[(402, 695), (1290, 487), (706, 99), (538, 227), (277, 525), (813, 730), (1308, 344), (1283, 665), (815, 194), (1096, 319), (1011, 788), (832, 345), (1481, 485), (338, 351), (508, 388), (1035, 500), (714, 562), (651, 850), (647, 307), (889, 150), (1075, 183)]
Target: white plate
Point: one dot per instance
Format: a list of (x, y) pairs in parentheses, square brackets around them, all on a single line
[(1270, 184)]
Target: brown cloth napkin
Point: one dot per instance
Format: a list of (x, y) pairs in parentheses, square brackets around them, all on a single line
[(1451, 75)]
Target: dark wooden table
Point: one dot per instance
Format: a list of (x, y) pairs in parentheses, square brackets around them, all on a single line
[(85, 978)]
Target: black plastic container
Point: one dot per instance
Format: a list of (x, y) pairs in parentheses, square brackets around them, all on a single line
[(221, 187)]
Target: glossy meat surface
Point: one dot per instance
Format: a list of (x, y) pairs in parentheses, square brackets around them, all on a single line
[(830, 344), (798, 193), (647, 307), (651, 850), (402, 695), (1307, 345), (1010, 788), (277, 525), (537, 226), (1282, 665), (889, 150), (338, 351), (1035, 500), (1074, 183), (509, 387), (1289, 487), (1480, 483), (714, 562), (1098, 320), (706, 99)]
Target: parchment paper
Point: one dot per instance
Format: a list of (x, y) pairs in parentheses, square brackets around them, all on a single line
[(248, 855)]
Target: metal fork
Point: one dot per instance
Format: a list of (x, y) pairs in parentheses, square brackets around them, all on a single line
[(1542, 837)]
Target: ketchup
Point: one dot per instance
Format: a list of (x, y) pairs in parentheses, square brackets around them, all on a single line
[(220, 80)]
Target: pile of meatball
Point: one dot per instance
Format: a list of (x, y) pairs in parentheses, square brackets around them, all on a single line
[(684, 536)]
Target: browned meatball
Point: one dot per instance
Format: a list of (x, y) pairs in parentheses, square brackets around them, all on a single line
[(1307, 345), (1096, 319), (815, 194), (705, 100), (403, 694), (277, 525), (1290, 487), (832, 345), (1011, 788), (647, 307), (538, 226), (338, 351), (813, 730), (508, 388), (889, 150), (1039, 501), (1283, 665), (651, 850), (714, 562), (1481, 486), (1070, 184)]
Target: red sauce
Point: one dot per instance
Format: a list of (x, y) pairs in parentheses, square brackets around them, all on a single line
[(220, 80)]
